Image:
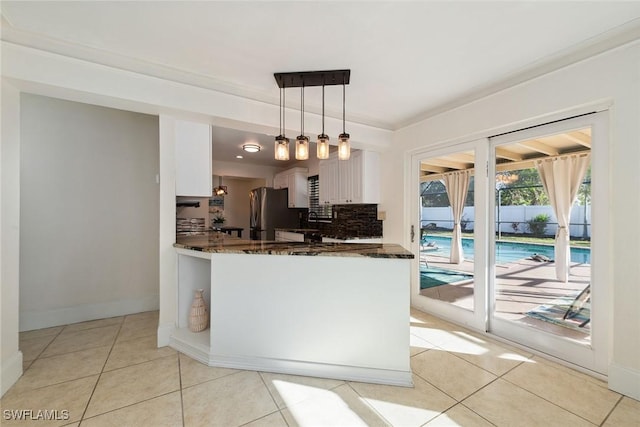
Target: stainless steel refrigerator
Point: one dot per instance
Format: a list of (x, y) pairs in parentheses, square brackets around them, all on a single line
[(269, 210)]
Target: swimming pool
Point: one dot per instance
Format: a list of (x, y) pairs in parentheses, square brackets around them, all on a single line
[(507, 251)]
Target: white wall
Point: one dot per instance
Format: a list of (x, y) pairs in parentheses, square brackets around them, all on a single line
[(11, 357), (88, 212), (610, 80)]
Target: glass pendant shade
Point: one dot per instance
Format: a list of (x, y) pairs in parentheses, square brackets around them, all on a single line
[(344, 148), (281, 148), (323, 147), (302, 148)]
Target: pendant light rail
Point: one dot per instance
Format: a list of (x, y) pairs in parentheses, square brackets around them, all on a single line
[(312, 78)]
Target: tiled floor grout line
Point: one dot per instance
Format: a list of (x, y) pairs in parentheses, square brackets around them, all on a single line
[(278, 409), (371, 408), (480, 415), (181, 397), (612, 409), (549, 401), (100, 374)]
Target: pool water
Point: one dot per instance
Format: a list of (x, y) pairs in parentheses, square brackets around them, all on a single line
[(507, 251)]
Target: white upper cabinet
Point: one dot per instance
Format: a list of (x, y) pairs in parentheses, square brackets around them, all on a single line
[(295, 180), (281, 180), (328, 181), (298, 190), (356, 180), (193, 159)]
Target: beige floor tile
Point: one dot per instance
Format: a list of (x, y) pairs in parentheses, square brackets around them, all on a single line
[(338, 407), (71, 396), (418, 345), (459, 415), (99, 323), (289, 390), (405, 406), (575, 394), (26, 364), (129, 353), (32, 347), (273, 420), (161, 411), (193, 372), (145, 315), (627, 413), (572, 372), (505, 404), (142, 327), (456, 377), (66, 367), (493, 357), (81, 340), (228, 401), (133, 384), (37, 333)]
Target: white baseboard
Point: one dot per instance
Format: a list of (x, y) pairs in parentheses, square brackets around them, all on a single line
[(11, 372), (198, 349), (30, 320), (165, 330), (625, 381)]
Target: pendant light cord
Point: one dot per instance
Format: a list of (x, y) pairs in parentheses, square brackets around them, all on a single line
[(280, 110), (323, 109), (343, 98), (284, 112), (302, 110)]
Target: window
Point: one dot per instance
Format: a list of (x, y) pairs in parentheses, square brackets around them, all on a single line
[(322, 211)]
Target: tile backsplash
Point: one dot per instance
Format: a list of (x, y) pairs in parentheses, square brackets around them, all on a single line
[(354, 220)]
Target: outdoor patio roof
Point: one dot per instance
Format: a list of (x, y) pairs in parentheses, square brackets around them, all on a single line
[(515, 156)]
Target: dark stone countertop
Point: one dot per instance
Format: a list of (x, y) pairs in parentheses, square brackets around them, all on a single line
[(214, 242)]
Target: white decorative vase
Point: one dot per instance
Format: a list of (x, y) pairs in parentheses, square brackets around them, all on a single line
[(198, 316)]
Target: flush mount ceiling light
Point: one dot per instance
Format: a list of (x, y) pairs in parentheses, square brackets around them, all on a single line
[(303, 79), (251, 148)]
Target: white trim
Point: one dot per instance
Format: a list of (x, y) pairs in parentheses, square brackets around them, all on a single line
[(11, 372), (200, 353), (624, 380), (596, 356), (31, 320), (165, 330), (474, 319)]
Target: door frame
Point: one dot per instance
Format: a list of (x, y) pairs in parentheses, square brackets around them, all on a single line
[(476, 319), (594, 357)]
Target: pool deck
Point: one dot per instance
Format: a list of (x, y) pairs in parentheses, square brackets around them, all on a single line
[(522, 285)]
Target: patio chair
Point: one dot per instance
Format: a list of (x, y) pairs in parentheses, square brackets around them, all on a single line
[(578, 303)]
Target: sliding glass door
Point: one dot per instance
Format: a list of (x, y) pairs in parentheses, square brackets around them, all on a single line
[(448, 236), (547, 281), (510, 237)]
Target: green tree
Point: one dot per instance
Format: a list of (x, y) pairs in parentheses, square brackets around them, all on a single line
[(434, 194), (521, 187)]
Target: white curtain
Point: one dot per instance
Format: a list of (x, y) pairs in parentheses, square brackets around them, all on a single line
[(457, 184), (561, 178)]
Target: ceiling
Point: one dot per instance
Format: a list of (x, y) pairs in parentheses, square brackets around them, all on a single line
[(516, 156), (408, 60)]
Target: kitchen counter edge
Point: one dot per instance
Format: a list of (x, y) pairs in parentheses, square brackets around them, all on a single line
[(368, 250)]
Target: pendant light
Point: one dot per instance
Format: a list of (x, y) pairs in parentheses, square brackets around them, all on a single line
[(282, 142), (302, 142), (323, 140), (344, 148)]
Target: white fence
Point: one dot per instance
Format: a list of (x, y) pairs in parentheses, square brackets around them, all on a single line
[(509, 216)]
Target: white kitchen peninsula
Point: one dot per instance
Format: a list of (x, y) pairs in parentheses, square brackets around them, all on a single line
[(332, 310)]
